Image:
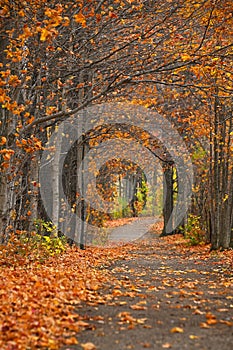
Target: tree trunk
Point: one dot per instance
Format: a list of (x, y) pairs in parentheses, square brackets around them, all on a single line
[(168, 198), (154, 193), (55, 179), (3, 207), (33, 188)]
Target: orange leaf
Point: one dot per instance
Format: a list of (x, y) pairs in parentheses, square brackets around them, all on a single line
[(177, 330), (146, 345), (82, 323), (6, 156), (210, 316), (211, 321), (228, 323), (5, 165), (71, 341), (138, 307), (80, 18), (3, 141), (112, 14)]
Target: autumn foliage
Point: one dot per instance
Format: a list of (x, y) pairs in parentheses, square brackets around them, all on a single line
[(43, 302), (40, 299)]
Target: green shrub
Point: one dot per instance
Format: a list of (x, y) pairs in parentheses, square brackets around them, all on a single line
[(46, 228), (192, 231)]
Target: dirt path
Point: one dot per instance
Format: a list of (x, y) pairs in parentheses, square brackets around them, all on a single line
[(132, 231), (162, 297)]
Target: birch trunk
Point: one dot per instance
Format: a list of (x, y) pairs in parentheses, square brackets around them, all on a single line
[(55, 179)]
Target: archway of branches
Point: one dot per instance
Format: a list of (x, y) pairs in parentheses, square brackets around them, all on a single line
[(119, 180)]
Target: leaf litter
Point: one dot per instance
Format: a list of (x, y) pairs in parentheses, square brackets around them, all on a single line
[(44, 305)]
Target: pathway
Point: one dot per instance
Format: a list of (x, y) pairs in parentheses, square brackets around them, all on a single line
[(133, 231), (161, 297)]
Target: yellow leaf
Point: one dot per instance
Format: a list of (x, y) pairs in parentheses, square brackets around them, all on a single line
[(44, 34), (193, 336), (141, 320), (185, 57), (80, 18), (177, 330)]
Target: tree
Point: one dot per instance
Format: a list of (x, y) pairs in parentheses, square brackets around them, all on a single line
[(61, 57)]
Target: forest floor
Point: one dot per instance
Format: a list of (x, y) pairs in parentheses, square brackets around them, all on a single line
[(155, 293)]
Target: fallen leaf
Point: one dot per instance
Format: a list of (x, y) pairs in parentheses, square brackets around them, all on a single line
[(211, 321), (82, 323), (209, 316), (71, 341), (177, 330), (138, 307), (228, 323), (193, 336), (141, 320), (88, 346), (204, 325), (198, 312), (3, 140)]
